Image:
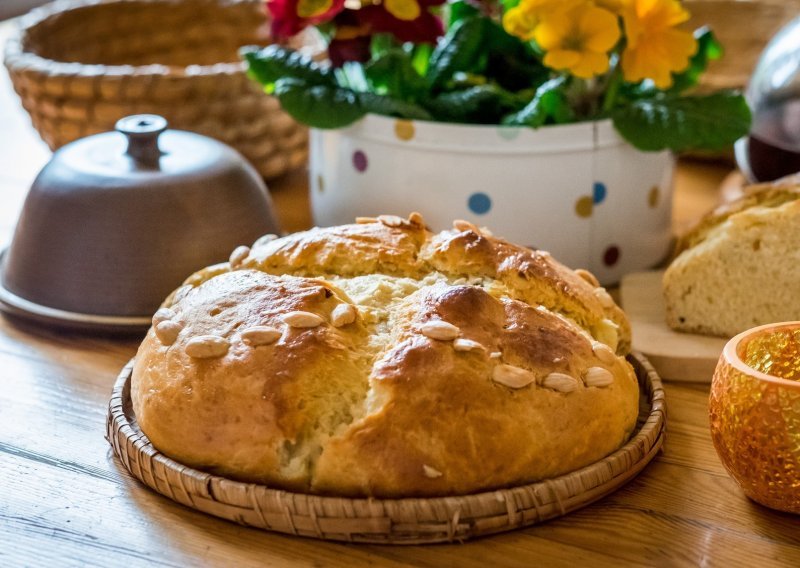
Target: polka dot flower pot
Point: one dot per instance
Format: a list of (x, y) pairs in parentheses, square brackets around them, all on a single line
[(579, 190)]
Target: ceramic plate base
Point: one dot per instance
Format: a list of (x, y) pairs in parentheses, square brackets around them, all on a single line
[(18, 307)]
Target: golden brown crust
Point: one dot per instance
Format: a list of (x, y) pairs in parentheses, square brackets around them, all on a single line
[(245, 413), (466, 364), (442, 411), (364, 248), (410, 250), (532, 276), (772, 194)]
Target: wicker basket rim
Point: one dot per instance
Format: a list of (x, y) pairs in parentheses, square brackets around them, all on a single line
[(656, 421), (17, 57)]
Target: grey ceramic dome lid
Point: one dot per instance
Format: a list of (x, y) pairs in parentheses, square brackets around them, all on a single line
[(139, 152), (116, 221)]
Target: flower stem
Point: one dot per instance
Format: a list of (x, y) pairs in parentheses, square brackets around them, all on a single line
[(614, 82)]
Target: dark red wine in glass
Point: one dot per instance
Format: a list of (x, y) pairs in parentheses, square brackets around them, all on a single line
[(773, 147)]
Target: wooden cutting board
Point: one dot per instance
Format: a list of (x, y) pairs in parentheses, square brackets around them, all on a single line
[(676, 356)]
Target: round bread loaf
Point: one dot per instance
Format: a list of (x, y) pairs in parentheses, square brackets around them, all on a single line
[(379, 359)]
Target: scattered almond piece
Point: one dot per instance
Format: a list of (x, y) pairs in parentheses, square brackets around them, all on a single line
[(588, 277), (163, 314), (261, 241), (441, 330), (461, 225), (604, 353), (302, 319), (238, 255), (463, 344), (416, 219), (260, 335), (495, 355), (366, 220), (431, 472), (560, 382), (167, 331), (392, 220), (514, 377), (598, 377), (207, 347), (343, 314)]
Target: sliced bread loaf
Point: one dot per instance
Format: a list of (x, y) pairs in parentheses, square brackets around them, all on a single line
[(740, 267)]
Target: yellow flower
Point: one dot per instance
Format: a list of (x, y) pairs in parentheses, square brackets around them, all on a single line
[(577, 39), (655, 49), (403, 9), (521, 21), (611, 5), (312, 8)]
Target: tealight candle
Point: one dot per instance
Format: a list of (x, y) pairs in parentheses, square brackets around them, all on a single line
[(754, 410)]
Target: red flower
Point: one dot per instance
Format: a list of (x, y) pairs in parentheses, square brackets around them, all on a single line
[(423, 28), (351, 39), (341, 51), (289, 17), (407, 20)]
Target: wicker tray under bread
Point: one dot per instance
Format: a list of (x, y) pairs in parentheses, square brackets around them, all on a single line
[(388, 521)]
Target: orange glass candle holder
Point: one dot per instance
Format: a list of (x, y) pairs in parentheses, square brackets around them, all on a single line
[(754, 410)]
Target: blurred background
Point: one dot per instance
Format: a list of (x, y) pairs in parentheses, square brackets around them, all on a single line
[(11, 8)]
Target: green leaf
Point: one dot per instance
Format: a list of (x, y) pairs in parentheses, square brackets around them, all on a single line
[(380, 44), (708, 49), (274, 62), (710, 122), (550, 104), (393, 74), (467, 80), (351, 76), (482, 104), (460, 10), (421, 57), (498, 39), (388, 106), (510, 62), (459, 50), (320, 106)]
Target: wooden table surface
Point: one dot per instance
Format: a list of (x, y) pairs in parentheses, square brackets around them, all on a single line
[(65, 501)]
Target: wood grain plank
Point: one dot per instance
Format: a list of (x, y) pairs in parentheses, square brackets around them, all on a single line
[(687, 429), (664, 540), (79, 409), (65, 349), (137, 525)]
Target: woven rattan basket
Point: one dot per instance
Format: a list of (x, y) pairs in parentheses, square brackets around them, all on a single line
[(387, 521), (81, 65)]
